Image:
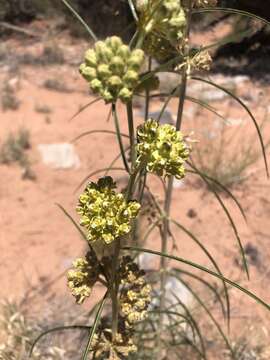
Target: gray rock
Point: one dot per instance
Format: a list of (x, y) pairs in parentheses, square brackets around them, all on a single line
[(59, 156)]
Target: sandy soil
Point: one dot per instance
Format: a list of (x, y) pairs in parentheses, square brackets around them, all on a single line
[(37, 241)]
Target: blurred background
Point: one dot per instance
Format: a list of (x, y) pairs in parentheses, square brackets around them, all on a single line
[(41, 47)]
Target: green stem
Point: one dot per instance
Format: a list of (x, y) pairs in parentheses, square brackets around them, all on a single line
[(147, 93), (168, 196), (119, 137), (131, 133), (114, 289)]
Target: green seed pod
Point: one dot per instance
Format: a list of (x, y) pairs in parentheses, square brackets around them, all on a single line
[(90, 58), (96, 85), (125, 94), (103, 72), (124, 52), (117, 65), (131, 79), (114, 42), (114, 82), (88, 72)]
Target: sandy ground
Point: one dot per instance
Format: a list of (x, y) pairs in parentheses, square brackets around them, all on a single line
[(37, 241)]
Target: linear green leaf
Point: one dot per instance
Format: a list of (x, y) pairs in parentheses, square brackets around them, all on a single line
[(206, 284), (56, 329), (119, 138), (94, 327), (101, 131), (231, 11), (74, 12), (206, 106), (84, 108), (224, 188), (227, 213), (201, 302), (247, 110), (213, 261), (204, 269), (73, 221), (133, 10)]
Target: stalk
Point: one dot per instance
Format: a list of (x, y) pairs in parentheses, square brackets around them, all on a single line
[(168, 196), (130, 188)]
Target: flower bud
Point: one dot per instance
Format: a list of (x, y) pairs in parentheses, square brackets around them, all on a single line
[(114, 42), (103, 71), (136, 59), (115, 82), (117, 65), (125, 94), (96, 85), (124, 52), (90, 58), (131, 79), (88, 72)]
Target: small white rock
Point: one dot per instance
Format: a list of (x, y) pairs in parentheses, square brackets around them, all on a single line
[(59, 156)]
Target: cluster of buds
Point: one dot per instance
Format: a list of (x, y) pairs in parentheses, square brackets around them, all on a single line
[(166, 18), (135, 293), (112, 69), (104, 347), (83, 276), (163, 149), (164, 23), (105, 214), (205, 3)]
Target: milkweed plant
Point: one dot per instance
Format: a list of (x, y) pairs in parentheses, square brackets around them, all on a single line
[(140, 324)]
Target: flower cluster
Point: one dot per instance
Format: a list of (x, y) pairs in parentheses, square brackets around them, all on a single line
[(83, 277), (205, 3), (166, 18), (104, 347), (112, 69), (162, 148), (164, 24), (135, 292), (134, 299), (104, 213)]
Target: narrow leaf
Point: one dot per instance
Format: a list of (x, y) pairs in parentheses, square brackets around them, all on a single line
[(94, 328), (247, 110), (204, 269), (74, 12)]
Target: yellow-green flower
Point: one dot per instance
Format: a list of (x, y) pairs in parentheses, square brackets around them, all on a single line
[(162, 148), (83, 276), (112, 69), (135, 292), (105, 214)]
